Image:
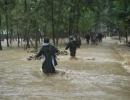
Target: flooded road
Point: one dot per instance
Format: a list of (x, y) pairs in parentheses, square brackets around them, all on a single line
[(98, 74)]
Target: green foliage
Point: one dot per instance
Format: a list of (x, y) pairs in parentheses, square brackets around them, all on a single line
[(78, 16)]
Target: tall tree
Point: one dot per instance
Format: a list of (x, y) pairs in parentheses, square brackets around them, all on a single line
[(0, 33)]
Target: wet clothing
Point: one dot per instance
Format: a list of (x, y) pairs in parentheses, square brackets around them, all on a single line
[(72, 46), (49, 52)]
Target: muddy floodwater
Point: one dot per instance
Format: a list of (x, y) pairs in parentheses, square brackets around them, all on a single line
[(97, 74)]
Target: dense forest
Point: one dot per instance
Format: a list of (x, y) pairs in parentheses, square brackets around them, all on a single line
[(31, 20)]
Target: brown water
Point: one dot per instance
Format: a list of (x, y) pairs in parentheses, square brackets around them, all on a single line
[(98, 74)]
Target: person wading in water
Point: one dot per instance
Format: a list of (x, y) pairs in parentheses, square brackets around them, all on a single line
[(72, 46), (49, 52)]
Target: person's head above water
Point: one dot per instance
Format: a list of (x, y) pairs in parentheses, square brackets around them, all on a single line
[(71, 37), (46, 40)]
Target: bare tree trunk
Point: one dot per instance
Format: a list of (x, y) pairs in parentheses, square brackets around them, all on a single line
[(18, 35), (126, 27), (11, 35), (69, 27), (27, 40), (36, 40), (126, 36), (57, 41), (0, 34), (119, 36), (71, 24), (27, 36), (45, 28), (0, 42), (7, 22), (53, 29), (78, 16), (7, 29)]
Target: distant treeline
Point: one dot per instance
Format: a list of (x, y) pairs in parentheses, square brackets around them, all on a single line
[(34, 19)]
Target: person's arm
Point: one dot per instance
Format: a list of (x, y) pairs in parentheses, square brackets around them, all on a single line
[(39, 53), (56, 50), (67, 47)]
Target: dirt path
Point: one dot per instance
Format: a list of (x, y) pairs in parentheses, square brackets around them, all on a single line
[(96, 75)]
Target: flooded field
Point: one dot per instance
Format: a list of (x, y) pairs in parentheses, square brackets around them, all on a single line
[(97, 74)]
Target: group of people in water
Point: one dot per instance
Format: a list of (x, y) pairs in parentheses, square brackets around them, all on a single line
[(95, 38), (49, 51)]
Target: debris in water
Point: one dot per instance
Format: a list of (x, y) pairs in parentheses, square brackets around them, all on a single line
[(90, 58), (30, 58)]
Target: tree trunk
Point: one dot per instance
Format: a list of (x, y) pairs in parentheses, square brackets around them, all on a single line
[(45, 28), (36, 40), (57, 41), (11, 35), (53, 31), (27, 40), (119, 36), (7, 29), (25, 6), (126, 27), (26, 30), (18, 35), (69, 27), (0, 34), (78, 16), (0, 42), (126, 36)]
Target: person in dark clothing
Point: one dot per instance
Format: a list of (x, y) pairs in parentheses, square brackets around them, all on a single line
[(94, 38), (78, 41), (100, 36), (87, 37), (49, 52), (72, 46)]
